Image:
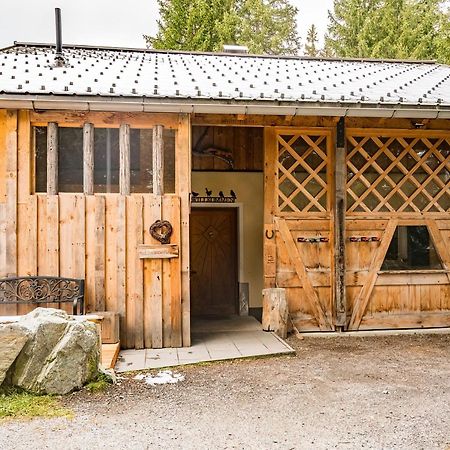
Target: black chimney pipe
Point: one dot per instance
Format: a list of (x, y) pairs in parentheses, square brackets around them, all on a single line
[(59, 59)]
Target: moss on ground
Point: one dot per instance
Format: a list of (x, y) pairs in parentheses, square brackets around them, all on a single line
[(101, 383), (19, 404)]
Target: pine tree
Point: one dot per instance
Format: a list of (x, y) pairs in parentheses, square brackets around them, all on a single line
[(311, 42), (264, 26), (346, 21), (406, 29)]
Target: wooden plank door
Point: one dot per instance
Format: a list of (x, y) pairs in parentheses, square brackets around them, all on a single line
[(298, 226), (398, 182), (214, 269)]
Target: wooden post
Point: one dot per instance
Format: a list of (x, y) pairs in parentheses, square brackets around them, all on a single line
[(183, 186), (275, 311), (52, 158), (340, 171), (88, 158), (124, 145), (158, 160)]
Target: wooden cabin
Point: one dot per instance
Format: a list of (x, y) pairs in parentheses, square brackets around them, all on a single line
[(329, 178)]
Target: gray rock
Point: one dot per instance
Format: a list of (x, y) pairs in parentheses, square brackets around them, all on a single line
[(61, 354), (13, 337)]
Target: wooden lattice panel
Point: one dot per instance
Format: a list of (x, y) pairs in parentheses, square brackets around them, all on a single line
[(398, 172), (302, 171)]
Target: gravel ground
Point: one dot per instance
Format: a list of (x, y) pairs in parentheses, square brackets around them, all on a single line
[(345, 393)]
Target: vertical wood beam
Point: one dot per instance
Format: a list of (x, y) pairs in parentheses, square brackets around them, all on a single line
[(183, 165), (52, 158), (340, 206), (158, 160), (88, 158), (270, 202), (124, 148), (8, 210)]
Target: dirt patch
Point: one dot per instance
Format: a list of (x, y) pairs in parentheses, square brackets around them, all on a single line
[(377, 392)]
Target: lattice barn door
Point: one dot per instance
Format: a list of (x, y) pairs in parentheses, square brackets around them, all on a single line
[(398, 229), (299, 167)]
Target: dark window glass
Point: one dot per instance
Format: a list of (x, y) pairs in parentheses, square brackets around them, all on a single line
[(40, 138), (411, 248), (106, 160), (70, 159), (142, 160)]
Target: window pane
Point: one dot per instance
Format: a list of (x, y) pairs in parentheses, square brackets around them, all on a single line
[(40, 138), (70, 159), (411, 248), (106, 160), (142, 161)]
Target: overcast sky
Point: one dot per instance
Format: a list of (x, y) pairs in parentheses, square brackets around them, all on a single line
[(119, 23)]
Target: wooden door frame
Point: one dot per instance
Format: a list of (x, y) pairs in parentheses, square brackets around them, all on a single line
[(240, 242)]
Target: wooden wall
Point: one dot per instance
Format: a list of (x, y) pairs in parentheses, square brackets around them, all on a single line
[(245, 145), (96, 237)]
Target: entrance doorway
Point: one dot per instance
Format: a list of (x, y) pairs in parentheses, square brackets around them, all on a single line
[(214, 262)]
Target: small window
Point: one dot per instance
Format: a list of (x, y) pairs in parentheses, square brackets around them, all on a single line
[(411, 248), (70, 159), (106, 160)]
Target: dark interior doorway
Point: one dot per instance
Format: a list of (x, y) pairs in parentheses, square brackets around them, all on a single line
[(214, 261)]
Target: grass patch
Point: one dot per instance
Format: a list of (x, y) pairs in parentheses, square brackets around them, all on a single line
[(100, 384), (18, 404)]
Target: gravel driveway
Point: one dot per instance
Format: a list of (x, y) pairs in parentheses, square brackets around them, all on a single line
[(345, 393)]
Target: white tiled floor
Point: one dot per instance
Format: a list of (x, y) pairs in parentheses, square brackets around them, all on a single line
[(236, 337)]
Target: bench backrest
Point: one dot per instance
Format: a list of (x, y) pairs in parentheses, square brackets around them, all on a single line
[(40, 290)]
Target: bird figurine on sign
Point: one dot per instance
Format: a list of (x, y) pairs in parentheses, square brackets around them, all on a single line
[(232, 194), (208, 192), (221, 194), (194, 194)]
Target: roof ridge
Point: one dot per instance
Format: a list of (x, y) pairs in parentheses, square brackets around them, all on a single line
[(231, 55)]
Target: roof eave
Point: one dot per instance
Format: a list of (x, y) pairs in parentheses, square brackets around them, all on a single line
[(169, 105)]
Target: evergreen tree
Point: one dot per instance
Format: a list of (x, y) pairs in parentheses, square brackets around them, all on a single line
[(264, 26), (311, 42), (406, 29)]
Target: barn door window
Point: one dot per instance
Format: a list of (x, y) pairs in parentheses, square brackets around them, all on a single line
[(411, 248), (398, 174), (303, 162)]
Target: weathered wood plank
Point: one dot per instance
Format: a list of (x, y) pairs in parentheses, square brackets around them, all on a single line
[(363, 298), (162, 251), (183, 189), (124, 150), (339, 209), (52, 159), (135, 274), (297, 262), (104, 119), (158, 160), (153, 331), (88, 158)]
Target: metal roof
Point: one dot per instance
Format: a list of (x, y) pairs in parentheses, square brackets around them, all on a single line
[(158, 77)]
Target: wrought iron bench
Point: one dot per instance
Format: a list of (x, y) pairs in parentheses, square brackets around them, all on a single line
[(43, 290)]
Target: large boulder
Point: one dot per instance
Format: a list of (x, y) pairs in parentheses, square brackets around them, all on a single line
[(61, 353), (13, 337)]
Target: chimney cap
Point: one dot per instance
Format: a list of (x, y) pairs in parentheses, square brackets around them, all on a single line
[(236, 49)]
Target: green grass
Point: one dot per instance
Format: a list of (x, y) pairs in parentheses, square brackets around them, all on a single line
[(101, 383), (18, 404)]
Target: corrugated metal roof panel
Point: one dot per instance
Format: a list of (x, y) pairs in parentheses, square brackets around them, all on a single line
[(30, 69)]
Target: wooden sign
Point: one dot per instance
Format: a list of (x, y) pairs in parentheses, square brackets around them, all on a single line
[(164, 251)]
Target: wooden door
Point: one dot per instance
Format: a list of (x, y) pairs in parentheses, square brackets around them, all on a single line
[(299, 231), (214, 271), (398, 189)]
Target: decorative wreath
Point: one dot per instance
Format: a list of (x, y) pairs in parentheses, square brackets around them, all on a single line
[(162, 230)]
